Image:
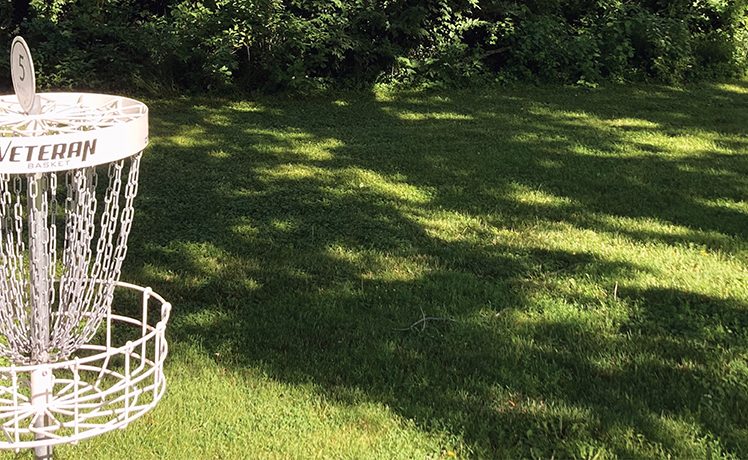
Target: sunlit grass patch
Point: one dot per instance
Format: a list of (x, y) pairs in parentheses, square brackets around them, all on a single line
[(417, 116), (733, 88), (631, 123), (525, 195)]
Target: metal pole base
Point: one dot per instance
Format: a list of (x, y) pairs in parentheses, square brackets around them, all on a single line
[(41, 392), (43, 453)]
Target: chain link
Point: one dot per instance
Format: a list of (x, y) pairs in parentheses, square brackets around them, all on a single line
[(77, 285)]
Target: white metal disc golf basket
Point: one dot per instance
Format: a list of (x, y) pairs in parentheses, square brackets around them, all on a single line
[(70, 368)]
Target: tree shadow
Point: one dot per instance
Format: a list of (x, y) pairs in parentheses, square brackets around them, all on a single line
[(319, 265)]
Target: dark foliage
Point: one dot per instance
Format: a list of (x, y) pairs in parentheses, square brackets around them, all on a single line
[(305, 44)]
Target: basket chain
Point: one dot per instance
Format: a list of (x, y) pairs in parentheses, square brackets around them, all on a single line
[(94, 248)]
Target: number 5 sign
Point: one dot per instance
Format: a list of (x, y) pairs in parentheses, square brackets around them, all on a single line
[(22, 70)]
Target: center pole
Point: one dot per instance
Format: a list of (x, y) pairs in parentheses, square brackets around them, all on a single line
[(41, 378), (41, 389)]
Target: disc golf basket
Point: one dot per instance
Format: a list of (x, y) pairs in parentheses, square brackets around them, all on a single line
[(70, 368)]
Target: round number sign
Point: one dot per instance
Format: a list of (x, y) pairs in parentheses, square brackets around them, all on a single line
[(22, 71)]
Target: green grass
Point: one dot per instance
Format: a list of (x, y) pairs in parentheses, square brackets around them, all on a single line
[(583, 254)]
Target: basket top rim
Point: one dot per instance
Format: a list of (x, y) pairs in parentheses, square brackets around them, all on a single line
[(73, 130), (63, 112)]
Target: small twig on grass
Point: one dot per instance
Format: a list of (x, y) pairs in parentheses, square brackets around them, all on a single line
[(424, 319), (615, 292)]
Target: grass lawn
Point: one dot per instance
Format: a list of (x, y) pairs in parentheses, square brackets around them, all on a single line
[(531, 272)]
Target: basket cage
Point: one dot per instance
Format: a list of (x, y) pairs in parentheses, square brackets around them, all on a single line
[(112, 380)]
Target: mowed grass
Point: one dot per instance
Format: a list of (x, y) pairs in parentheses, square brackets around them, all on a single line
[(537, 272)]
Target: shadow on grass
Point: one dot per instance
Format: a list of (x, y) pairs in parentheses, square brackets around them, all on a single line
[(310, 237)]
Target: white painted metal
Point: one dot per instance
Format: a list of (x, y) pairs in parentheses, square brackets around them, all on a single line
[(67, 379), (72, 130), (106, 387), (22, 73), (57, 275), (41, 386)]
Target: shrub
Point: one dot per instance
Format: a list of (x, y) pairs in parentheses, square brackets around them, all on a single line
[(306, 44)]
